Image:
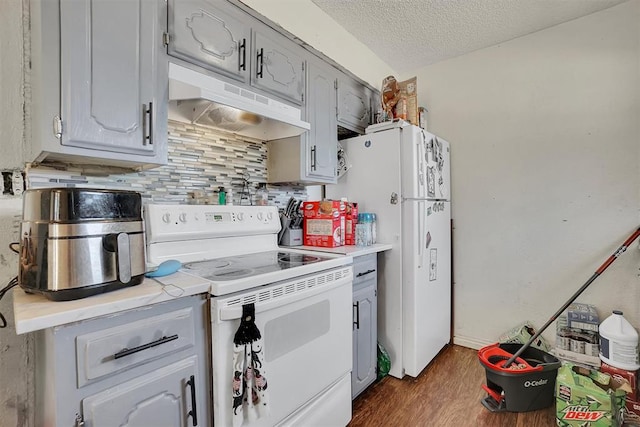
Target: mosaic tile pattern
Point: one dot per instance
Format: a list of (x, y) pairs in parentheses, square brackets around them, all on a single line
[(200, 161)]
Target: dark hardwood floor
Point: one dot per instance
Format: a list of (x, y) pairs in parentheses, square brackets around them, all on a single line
[(446, 393)]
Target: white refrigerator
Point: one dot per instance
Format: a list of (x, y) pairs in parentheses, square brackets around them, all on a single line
[(402, 174)]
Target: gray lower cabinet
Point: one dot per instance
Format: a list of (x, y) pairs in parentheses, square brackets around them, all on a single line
[(219, 36), (142, 367), (99, 83), (312, 157), (365, 330)]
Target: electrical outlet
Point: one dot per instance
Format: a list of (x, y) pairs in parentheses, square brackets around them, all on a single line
[(12, 183), (17, 183)]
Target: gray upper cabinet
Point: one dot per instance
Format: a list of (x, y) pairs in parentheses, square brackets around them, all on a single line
[(99, 82), (354, 104), (211, 35), (220, 37), (322, 139), (277, 68), (310, 158)]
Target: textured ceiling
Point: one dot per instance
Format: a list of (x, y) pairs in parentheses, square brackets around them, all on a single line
[(409, 34)]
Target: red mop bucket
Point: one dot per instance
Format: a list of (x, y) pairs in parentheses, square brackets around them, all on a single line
[(529, 385), (526, 385)]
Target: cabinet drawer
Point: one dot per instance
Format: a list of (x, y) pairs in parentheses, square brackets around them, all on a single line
[(364, 268), (111, 350)]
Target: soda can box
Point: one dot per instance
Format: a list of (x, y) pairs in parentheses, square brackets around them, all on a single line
[(324, 223), (583, 316), (587, 398), (521, 334), (622, 375)]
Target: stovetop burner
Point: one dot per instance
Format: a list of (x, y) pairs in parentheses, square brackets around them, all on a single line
[(300, 259)]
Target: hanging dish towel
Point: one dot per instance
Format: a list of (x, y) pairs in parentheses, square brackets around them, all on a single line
[(249, 384)]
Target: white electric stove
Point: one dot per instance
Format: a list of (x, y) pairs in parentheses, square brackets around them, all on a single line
[(302, 300)]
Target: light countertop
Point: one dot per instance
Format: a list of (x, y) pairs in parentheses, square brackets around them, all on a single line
[(353, 251), (33, 312)]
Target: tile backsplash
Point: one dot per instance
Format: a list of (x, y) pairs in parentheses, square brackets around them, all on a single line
[(200, 160)]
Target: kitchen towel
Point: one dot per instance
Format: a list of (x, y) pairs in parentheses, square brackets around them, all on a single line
[(249, 383)]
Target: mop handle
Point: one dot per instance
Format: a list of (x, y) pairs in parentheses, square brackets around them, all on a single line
[(598, 272)]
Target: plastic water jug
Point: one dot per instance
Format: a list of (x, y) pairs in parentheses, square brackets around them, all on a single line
[(619, 342)]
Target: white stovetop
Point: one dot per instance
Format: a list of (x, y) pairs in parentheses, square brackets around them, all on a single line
[(33, 312)]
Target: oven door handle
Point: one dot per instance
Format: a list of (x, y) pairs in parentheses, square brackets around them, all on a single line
[(235, 312)]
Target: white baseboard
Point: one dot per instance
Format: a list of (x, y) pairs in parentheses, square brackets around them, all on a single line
[(469, 342)]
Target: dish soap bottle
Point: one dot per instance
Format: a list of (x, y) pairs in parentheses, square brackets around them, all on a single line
[(222, 196)]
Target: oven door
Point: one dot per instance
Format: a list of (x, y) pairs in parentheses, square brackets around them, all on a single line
[(306, 327)]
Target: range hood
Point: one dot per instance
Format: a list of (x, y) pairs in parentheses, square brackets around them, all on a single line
[(199, 98)]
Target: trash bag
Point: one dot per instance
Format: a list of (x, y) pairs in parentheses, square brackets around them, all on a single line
[(384, 362)]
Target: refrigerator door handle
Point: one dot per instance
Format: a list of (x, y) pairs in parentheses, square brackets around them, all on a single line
[(420, 166), (420, 230)]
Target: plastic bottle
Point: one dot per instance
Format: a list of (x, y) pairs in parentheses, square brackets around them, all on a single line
[(222, 196), (374, 228), (619, 342), (363, 230), (230, 196), (262, 196)]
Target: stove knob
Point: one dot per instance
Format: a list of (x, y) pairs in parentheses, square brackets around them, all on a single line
[(260, 216), (166, 217), (270, 216), (240, 216), (183, 217)]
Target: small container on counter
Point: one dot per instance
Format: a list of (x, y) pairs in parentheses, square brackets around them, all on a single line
[(374, 228), (364, 235)]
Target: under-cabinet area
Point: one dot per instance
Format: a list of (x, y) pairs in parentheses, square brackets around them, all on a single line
[(145, 367)]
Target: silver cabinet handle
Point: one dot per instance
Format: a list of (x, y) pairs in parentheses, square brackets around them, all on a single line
[(313, 158), (243, 55), (356, 322), (147, 124), (260, 59)]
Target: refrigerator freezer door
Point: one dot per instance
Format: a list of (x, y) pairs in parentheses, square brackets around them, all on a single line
[(427, 283), (414, 166)]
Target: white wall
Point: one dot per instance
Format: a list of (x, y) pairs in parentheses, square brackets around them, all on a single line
[(545, 168), (16, 361), (308, 22), (11, 87)]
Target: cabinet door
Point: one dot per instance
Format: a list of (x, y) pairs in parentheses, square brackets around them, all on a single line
[(354, 104), (275, 67), (321, 141), (364, 337), (211, 35), (161, 398), (110, 75)]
